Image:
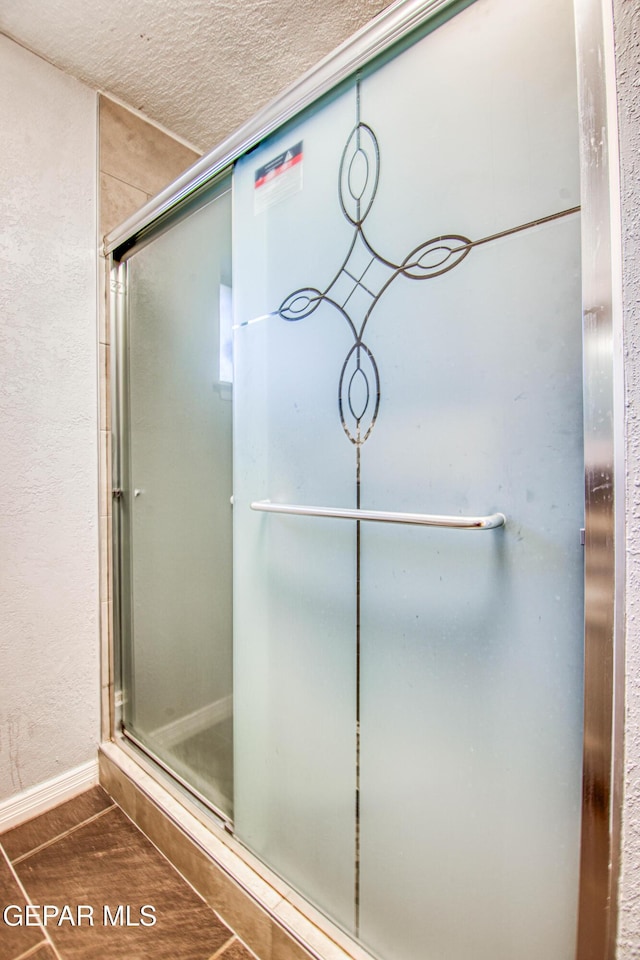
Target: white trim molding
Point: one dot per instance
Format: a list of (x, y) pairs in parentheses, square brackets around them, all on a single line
[(36, 800)]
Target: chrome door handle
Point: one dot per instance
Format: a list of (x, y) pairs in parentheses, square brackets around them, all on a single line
[(489, 522)]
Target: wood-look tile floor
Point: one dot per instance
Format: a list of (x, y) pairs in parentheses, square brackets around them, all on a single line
[(86, 852)]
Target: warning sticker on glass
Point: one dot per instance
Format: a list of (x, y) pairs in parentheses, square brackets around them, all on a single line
[(278, 179)]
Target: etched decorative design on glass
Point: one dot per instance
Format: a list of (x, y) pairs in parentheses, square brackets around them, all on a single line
[(365, 275)]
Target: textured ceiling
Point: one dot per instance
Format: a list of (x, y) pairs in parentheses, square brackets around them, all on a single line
[(199, 67)]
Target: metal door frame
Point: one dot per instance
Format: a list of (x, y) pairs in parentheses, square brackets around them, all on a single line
[(603, 398)]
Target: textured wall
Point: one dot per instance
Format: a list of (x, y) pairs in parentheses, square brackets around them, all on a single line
[(49, 690), (627, 36)]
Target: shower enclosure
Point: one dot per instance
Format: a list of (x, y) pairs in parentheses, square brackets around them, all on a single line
[(350, 491)]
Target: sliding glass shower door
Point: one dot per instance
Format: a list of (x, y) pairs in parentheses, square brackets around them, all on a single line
[(408, 665), (175, 504), (393, 568)]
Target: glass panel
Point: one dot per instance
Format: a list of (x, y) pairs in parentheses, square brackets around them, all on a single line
[(179, 684), (294, 646), (471, 644), (409, 700)]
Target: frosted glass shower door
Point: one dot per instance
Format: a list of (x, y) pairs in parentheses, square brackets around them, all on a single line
[(176, 504), (409, 697)]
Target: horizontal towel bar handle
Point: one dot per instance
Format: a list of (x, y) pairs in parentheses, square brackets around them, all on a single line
[(489, 522)]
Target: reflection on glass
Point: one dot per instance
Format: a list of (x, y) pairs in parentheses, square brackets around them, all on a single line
[(225, 354)]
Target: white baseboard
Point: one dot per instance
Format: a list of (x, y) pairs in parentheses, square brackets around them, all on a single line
[(36, 800), (184, 727)]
